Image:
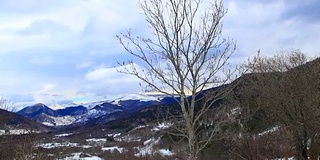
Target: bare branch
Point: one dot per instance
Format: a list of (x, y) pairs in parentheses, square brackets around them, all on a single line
[(186, 56)]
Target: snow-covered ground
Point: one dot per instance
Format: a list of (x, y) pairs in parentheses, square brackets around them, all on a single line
[(128, 138), (90, 148), (96, 140), (55, 145), (115, 135), (112, 149), (60, 121), (64, 144), (141, 126), (17, 131), (165, 152), (161, 126), (68, 120), (147, 149), (63, 135), (77, 156), (273, 129), (92, 113), (291, 158)]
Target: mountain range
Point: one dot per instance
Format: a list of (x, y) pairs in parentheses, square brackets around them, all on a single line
[(95, 112)]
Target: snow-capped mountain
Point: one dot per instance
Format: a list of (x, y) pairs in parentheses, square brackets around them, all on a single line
[(94, 112), (137, 96)]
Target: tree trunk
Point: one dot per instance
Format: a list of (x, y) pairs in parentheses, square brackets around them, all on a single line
[(305, 145), (192, 155), (305, 152), (303, 149), (314, 148)]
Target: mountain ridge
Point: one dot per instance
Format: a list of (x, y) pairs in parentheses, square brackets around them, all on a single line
[(83, 113)]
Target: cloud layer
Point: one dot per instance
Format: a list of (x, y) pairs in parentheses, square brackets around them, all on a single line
[(66, 50)]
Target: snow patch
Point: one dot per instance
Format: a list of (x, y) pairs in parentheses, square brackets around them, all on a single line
[(269, 131), (55, 145), (117, 134), (141, 126), (291, 158), (65, 144), (86, 146), (128, 138), (17, 131), (114, 135), (96, 140), (63, 135), (112, 149), (93, 113), (48, 124), (60, 121), (147, 149), (163, 125), (165, 152), (76, 156)]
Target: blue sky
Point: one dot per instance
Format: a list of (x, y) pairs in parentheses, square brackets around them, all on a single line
[(67, 50)]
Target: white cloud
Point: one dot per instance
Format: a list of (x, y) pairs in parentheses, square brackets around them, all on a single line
[(66, 24), (104, 81), (84, 65), (259, 25), (111, 74), (104, 74), (44, 94), (51, 93)]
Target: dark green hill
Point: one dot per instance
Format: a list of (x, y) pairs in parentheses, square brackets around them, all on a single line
[(10, 120)]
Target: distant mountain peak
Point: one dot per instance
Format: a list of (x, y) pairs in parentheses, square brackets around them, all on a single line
[(137, 96), (39, 105)]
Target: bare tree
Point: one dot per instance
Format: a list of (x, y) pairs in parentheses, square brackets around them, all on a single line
[(26, 147), (185, 56), (291, 96), (7, 104)]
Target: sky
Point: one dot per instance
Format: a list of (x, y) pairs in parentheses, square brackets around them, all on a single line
[(67, 51)]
